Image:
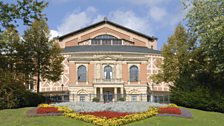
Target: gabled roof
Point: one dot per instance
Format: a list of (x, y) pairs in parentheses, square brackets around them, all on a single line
[(109, 48), (105, 21)]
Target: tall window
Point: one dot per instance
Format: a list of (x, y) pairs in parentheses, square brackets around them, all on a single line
[(133, 72), (108, 72), (81, 73)]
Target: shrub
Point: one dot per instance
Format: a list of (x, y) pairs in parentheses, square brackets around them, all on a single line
[(14, 95), (121, 99), (198, 98), (96, 99)]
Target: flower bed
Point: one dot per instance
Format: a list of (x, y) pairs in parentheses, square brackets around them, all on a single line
[(110, 117), (43, 110), (169, 110), (106, 114), (99, 121)]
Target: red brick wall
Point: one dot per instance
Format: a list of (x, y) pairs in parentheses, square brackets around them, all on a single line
[(125, 72), (90, 73), (72, 73), (143, 73)]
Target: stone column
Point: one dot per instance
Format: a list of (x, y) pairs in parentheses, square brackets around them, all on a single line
[(122, 92), (95, 92), (101, 94), (115, 94), (151, 97)]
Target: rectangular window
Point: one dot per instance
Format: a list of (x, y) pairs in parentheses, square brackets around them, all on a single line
[(117, 42), (95, 42), (106, 42), (155, 98), (161, 98), (82, 98), (133, 97)]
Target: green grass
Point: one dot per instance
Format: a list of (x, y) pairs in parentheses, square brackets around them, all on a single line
[(17, 117)]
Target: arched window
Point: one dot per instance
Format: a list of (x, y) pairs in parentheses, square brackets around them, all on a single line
[(108, 72), (133, 72), (105, 36), (81, 73), (106, 39)]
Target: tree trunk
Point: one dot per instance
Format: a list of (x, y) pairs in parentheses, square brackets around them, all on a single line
[(38, 81), (38, 75)]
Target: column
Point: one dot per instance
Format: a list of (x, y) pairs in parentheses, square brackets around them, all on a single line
[(152, 100), (101, 94), (122, 92), (115, 94), (95, 92)]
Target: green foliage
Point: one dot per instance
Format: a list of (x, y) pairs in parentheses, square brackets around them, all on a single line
[(13, 93), (16, 65), (194, 61), (206, 23), (201, 83), (25, 10), (96, 99), (41, 55), (174, 52), (121, 99)]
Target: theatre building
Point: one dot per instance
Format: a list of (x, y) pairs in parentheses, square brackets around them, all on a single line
[(110, 62)]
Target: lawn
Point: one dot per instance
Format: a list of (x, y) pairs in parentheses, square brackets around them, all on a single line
[(17, 117)]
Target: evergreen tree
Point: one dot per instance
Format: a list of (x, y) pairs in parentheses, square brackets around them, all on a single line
[(43, 55), (175, 54)]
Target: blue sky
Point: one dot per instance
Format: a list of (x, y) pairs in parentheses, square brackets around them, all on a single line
[(152, 17)]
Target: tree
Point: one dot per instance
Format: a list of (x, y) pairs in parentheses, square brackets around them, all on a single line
[(43, 55), (206, 23), (175, 54), (12, 90), (26, 10), (23, 10), (9, 43), (200, 85)]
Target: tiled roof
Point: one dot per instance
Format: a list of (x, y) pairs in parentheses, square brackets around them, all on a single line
[(109, 48)]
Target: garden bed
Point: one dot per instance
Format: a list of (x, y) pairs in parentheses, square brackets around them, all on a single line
[(184, 113), (33, 113), (106, 114), (129, 107), (109, 114)]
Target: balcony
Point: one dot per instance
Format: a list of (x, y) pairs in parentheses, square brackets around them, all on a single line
[(108, 81)]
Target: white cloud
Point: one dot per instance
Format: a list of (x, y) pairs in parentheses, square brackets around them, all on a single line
[(78, 19), (54, 33), (149, 3), (157, 13), (130, 20)]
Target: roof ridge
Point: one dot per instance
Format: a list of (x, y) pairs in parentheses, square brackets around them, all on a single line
[(106, 21)]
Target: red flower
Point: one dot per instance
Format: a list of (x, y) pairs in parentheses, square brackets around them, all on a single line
[(106, 114), (43, 110), (169, 110)]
